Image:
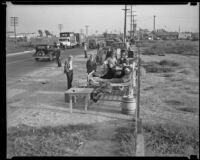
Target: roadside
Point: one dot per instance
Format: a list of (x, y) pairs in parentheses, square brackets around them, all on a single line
[(18, 53), (37, 99)]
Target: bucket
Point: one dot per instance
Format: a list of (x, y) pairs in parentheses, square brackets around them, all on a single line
[(128, 105)]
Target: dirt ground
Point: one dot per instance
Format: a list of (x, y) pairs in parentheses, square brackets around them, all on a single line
[(37, 99)]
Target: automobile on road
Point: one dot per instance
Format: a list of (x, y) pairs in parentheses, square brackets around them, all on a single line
[(45, 51)]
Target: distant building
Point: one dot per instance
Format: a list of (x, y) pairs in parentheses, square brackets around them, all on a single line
[(185, 35), (195, 36), (167, 35)]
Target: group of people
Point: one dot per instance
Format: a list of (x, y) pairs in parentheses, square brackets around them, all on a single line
[(116, 67)]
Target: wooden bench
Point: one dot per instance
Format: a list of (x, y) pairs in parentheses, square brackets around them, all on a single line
[(85, 92)]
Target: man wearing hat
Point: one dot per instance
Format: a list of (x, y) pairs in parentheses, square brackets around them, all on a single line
[(68, 70)]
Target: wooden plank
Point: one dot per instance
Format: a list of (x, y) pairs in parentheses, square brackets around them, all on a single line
[(140, 145)]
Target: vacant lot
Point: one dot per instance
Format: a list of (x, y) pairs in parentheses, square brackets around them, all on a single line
[(169, 100), (169, 111)]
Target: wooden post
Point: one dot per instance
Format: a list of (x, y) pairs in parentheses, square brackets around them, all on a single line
[(86, 102), (70, 103)]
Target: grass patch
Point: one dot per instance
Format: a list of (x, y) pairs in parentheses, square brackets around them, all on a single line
[(185, 71), (188, 109), (172, 139), (125, 137), (148, 88), (167, 75), (160, 67), (46, 141), (173, 47), (161, 139), (174, 102)]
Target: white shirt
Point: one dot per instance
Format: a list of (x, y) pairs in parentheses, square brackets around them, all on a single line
[(69, 66)]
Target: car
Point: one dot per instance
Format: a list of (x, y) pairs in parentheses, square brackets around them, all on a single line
[(119, 48), (45, 51)]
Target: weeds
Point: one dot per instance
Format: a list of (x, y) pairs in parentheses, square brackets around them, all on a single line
[(174, 102), (172, 138), (125, 136), (46, 141), (171, 47)]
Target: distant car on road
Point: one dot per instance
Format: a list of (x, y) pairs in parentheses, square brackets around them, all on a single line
[(45, 51)]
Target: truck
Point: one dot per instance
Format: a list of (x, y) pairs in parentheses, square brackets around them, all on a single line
[(68, 40), (80, 37)]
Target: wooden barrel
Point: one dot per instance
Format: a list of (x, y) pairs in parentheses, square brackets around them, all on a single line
[(128, 105)]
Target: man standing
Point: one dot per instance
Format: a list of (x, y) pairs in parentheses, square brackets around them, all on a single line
[(91, 65), (68, 70), (58, 58), (85, 50)]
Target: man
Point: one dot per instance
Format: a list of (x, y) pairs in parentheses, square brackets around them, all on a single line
[(111, 64), (91, 65), (58, 58), (109, 53), (124, 60), (68, 70), (85, 50)]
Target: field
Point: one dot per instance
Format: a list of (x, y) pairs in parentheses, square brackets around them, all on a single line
[(169, 100), (26, 46), (169, 110)]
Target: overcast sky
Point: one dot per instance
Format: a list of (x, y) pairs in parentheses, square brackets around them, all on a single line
[(101, 17)]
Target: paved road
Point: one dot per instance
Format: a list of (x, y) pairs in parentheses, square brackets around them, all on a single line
[(21, 64)]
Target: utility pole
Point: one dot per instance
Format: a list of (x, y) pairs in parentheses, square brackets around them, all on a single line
[(60, 26), (134, 24), (125, 13), (81, 31), (179, 29), (154, 23), (132, 21), (86, 27), (14, 22)]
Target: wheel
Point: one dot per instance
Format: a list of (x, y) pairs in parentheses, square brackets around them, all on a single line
[(36, 59)]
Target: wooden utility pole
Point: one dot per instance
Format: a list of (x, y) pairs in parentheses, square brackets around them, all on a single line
[(154, 23), (131, 20), (86, 27), (60, 26), (125, 14), (14, 22)]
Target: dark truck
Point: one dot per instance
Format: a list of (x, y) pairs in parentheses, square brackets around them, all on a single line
[(45, 51)]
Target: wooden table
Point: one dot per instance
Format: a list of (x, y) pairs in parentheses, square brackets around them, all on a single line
[(79, 92)]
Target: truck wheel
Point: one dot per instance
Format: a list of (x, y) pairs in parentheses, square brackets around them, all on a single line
[(36, 59)]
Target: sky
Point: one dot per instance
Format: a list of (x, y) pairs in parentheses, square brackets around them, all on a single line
[(101, 18)]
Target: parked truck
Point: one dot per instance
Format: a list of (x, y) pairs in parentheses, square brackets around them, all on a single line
[(80, 37), (68, 40)]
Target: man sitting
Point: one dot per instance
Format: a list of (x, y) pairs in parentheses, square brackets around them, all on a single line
[(111, 65)]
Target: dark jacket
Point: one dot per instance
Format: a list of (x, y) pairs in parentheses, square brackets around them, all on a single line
[(91, 65)]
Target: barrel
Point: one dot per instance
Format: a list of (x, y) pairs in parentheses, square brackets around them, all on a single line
[(128, 105)]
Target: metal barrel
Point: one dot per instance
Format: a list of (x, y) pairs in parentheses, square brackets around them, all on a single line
[(128, 105)]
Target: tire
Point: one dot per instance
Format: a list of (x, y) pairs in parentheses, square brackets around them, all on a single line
[(36, 59)]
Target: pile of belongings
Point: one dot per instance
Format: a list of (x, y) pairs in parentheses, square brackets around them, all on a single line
[(104, 88)]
